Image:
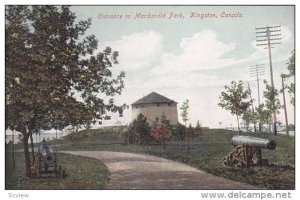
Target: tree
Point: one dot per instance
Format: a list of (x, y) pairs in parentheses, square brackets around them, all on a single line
[(160, 133), (179, 131), (270, 96), (291, 90), (198, 128), (185, 111), (235, 99), (185, 117), (283, 76), (250, 116), (53, 73), (139, 130), (190, 130), (264, 115), (291, 64), (291, 68)]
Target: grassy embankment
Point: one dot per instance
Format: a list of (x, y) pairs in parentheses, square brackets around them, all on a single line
[(81, 173), (205, 152)]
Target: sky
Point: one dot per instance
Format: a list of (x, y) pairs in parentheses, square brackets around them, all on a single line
[(184, 57)]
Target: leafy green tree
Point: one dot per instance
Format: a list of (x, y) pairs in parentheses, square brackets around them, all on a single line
[(163, 120), (178, 131), (264, 115), (291, 64), (271, 95), (291, 68), (185, 111), (198, 128), (139, 130), (53, 74), (190, 130), (291, 90), (235, 99), (249, 116), (185, 117)]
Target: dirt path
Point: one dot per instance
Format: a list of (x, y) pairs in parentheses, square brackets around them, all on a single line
[(136, 171)]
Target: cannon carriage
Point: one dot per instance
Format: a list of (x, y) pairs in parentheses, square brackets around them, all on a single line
[(247, 151), (45, 162)]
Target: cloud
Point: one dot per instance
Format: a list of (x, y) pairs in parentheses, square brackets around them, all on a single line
[(178, 80), (201, 51), (286, 34), (137, 50)]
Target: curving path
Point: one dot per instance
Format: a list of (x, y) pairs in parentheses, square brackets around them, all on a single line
[(136, 171)]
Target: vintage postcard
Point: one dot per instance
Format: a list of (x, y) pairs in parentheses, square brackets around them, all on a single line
[(132, 97)]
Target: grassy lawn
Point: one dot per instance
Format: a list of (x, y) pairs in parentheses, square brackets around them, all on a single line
[(82, 173), (205, 153)]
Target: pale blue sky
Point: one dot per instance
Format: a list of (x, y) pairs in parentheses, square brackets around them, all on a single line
[(190, 58)]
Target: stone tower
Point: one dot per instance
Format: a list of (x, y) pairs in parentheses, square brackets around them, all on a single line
[(154, 106)]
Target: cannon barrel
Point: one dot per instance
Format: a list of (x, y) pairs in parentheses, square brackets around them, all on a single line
[(253, 142), (47, 153)]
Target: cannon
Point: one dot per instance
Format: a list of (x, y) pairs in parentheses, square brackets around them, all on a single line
[(247, 151), (45, 162), (47, 154)]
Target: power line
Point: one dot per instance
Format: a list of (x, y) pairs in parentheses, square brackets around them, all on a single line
[(268, 36), (257, 71)]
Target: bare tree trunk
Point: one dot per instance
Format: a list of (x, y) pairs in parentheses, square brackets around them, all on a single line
[(238, 121), (128, 138), (186, 139), (259, 126), (32, 146), (26, 154)]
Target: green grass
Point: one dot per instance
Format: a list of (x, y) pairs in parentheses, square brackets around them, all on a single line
[(205, 153), (82, 173)]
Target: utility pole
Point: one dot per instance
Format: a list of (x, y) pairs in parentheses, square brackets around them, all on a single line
[(284, 106), (256, 71), (267, 36), (254, 122)]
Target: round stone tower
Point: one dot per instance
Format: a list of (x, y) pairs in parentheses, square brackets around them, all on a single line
[(154, 106)]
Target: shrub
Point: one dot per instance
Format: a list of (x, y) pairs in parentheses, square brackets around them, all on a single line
[(198, 129), (178, 131), (139, 131), (160, 133)]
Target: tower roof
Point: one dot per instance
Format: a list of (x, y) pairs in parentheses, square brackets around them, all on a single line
[(153, 98)]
